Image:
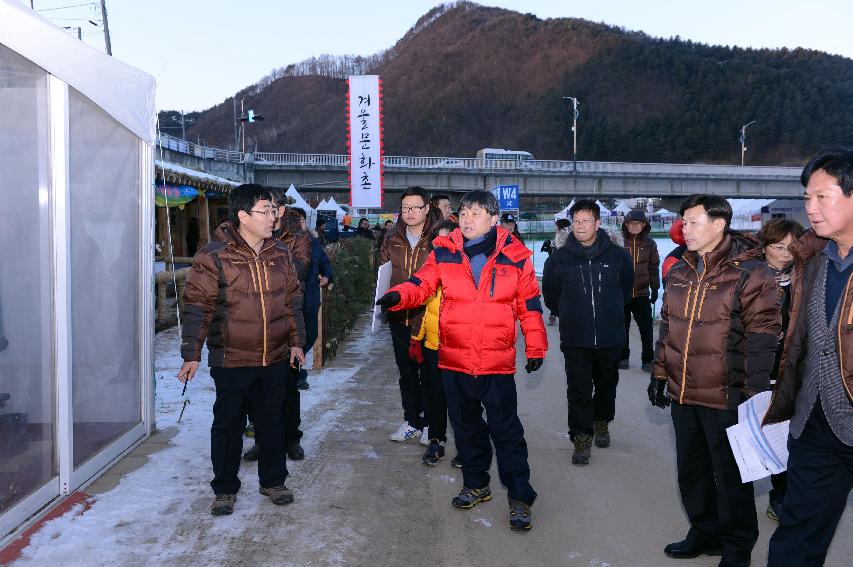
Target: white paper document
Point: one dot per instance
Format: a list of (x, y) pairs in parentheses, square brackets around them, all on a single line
[(759, 451), (383, 284)]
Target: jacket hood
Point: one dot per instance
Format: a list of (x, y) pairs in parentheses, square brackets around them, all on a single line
[(602, 243), (636, 215), (676, 232), (561, 237)]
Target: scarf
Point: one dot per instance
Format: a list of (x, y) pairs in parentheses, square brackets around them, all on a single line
[(485, 246)]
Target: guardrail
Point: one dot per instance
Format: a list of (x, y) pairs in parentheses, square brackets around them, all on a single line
[(477, 165)]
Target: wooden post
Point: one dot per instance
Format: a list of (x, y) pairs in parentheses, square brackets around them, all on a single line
[(318, 344), (203, 221)]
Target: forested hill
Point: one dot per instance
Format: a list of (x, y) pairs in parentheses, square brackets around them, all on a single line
[(467, 77)]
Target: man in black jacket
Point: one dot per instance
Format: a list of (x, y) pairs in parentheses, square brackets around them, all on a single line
[(588, 282)]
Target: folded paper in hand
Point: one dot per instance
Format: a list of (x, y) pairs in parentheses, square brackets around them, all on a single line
[(759, 451), (383, 284)]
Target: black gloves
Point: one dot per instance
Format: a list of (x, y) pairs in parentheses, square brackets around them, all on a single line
[(654, 296), (533, 364), (657, 393), (388, 300)]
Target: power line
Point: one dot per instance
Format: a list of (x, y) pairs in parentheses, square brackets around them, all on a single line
[(66, 7)]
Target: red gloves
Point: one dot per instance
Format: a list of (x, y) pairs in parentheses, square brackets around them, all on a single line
[(416, 352)]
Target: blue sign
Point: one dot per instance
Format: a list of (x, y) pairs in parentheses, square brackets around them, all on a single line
[(507, 197)]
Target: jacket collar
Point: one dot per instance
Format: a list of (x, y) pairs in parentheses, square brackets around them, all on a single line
[(807, 246), (506, 243), (734, 247)]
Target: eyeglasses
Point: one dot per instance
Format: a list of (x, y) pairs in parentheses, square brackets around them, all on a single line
[(414, 209), (583, 222), (268, 212), (778, 247)]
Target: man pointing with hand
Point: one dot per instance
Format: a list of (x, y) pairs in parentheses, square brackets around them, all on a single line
[(488, 282)]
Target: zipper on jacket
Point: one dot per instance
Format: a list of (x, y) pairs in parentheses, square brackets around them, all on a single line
[(492, 289), (592, 298), (689, 330), (263, 314)]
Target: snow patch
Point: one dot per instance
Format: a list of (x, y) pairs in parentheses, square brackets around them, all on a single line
[(483, 521)]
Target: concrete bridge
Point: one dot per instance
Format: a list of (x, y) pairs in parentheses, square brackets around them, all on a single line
[(538, 180)]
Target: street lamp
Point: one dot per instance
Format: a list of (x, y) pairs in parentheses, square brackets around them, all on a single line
[(743, 140), (575, 115), (250, 116)]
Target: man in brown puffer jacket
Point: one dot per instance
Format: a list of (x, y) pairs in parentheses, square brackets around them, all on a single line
[(646, 261), (716, 346), (243, 297)]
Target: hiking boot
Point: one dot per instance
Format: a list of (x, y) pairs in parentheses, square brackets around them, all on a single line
[(583, 447), (251, 454), (250, 430), (278, 494), (425, 436), (295, 452), (602, 434), (434, 453), (223, 504), (646, 367), (302, 383), (774, 509), (456, 462), (520, 518), (623, 364), (405, 433), (470, 497)]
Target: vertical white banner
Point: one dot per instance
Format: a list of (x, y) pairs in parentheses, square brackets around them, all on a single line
[(364, 141)]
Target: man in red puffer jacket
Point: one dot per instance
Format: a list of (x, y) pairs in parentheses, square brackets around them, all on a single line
[(488, 283)]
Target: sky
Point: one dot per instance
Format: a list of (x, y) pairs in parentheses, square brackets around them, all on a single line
[(202, 52)]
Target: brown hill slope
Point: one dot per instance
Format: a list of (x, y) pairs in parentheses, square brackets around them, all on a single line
[(467, 77)]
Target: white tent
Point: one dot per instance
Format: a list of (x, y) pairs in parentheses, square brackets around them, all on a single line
[(76, 128), (605, 212), (301, 203), (564, 214), (746, 213), (665, 213), (332, 206), (623, 208)]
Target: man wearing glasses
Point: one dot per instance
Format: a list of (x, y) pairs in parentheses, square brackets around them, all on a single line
[(243, 297), (587, 283), (406, 246)]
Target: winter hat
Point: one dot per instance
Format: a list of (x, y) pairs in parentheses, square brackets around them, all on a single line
[(508, 217), (676, 232), (636, 215)]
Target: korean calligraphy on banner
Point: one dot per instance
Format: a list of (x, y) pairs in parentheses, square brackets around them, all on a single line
[(364, 140)]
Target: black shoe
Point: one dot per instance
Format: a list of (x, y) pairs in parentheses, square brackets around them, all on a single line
[(520, 518), (302, 384), (774, 509), (223, 504), (434, 453), (295, 452), (251, 454), (457, 461), (623, 364), (470, 497), (583, 448), (734, 562), (691, 547)]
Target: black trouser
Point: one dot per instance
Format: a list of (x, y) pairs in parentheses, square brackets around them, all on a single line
[(719, 506), (266, 388), (310, 336), (466, 397), (411, 387), (780, 486), (591, 378), (292, 408), (820, 477), (434, 401), (641, 309)]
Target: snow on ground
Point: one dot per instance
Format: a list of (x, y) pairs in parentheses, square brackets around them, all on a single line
[(145, 519)]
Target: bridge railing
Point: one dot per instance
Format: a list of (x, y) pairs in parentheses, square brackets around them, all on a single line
[(451, 164)]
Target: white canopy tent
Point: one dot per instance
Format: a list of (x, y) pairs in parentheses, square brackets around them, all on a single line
[(623, 208), (301, 203), (76, 132), (332, 206), (564, 214)]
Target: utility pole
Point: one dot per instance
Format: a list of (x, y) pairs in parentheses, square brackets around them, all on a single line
[(183, 127), (743, 140), (575, 115), (242, 124), (236, 132), (106, 27)]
